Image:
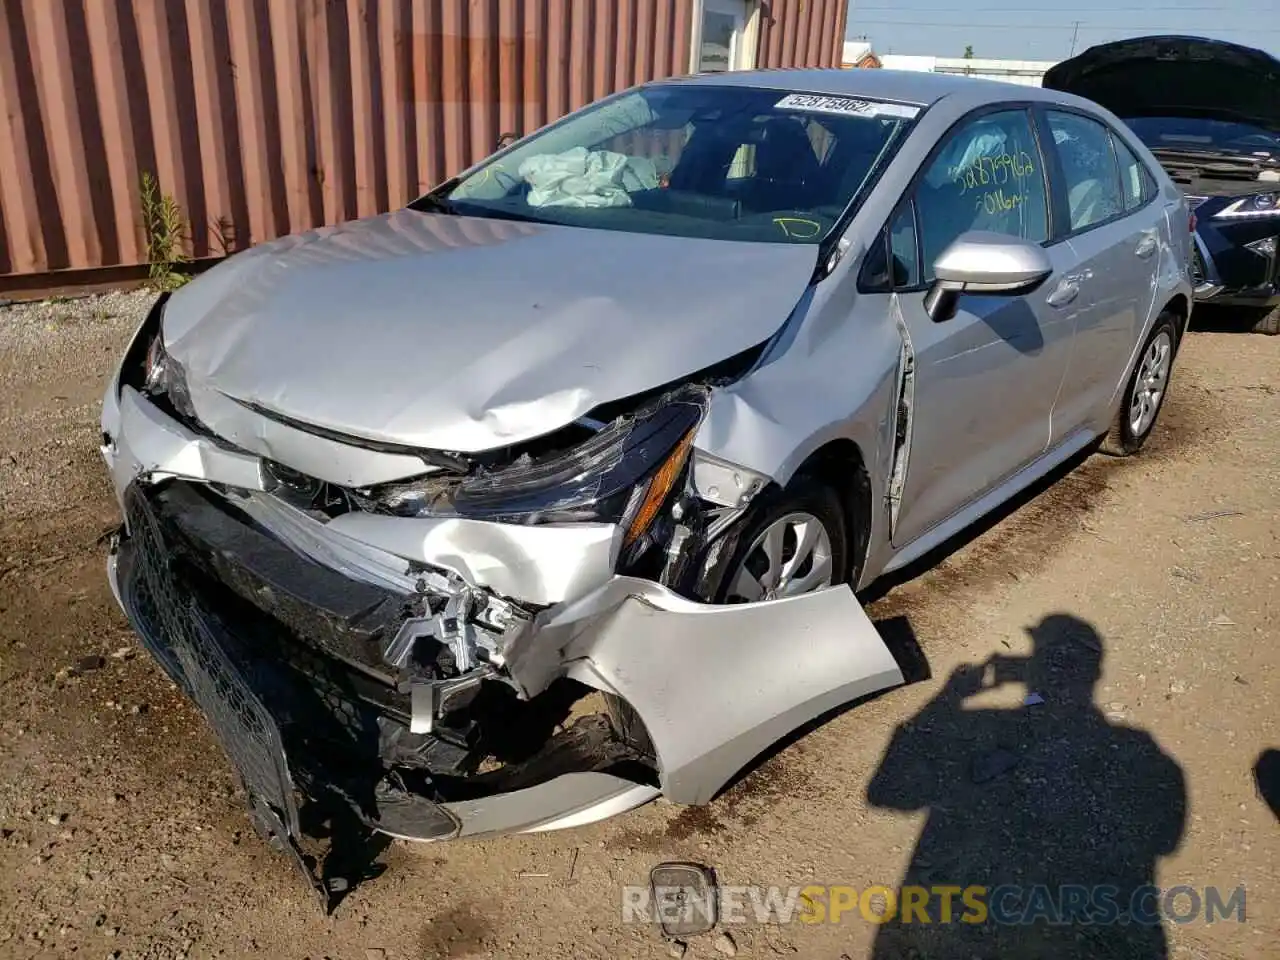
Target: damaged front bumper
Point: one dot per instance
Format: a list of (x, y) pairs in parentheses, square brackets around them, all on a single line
[(441, 679)]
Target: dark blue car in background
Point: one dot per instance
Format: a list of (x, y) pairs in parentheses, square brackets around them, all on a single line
[(1210, 112)]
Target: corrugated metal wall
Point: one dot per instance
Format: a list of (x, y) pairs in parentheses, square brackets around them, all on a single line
[(266, 117)]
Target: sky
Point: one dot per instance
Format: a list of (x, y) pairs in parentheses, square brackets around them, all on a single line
[(1043, 29)]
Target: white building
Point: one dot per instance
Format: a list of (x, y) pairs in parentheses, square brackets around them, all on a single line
[(858, 53), (1026, 72)]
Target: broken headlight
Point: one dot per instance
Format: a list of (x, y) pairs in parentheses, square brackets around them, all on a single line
[(163, 377), (621, 474)]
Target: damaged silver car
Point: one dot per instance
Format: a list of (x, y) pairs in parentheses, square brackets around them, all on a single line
[(548, 494)]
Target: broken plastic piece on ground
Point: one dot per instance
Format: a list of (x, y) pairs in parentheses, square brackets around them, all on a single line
[(1033, 700), (685, 898)]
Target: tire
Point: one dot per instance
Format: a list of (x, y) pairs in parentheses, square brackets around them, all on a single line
[(1270, 324), (804, 496), (1130, 430)]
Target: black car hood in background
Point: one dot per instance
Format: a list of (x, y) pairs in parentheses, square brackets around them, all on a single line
[(1176, 77)]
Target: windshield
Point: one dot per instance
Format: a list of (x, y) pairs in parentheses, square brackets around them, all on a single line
[(1191, 133), (727, 163)]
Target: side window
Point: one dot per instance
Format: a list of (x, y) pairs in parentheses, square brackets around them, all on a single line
[(892, 263), (987, 176), (1090, 173), (1134, 179), (902, 248)]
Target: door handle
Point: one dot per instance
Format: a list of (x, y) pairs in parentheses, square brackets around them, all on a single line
[(1147, 246), (1065, 292)]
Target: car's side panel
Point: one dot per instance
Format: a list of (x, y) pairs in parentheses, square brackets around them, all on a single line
[(975, 511), (985, 383), (1118, 253), (1117, 286)]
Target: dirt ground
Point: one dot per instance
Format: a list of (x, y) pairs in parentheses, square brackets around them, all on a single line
[(122, 835)]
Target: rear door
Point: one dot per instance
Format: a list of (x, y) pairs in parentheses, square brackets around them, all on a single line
[(1117, 233), (984, 380)]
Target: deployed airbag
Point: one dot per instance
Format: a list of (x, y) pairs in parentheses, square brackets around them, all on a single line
[(586, 178)]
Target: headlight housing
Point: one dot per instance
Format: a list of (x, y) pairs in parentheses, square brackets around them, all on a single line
[(622, 474), (163, 378), (1258, 205)]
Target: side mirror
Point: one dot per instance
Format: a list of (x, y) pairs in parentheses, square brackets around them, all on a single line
[(505, 140), (989, 263)]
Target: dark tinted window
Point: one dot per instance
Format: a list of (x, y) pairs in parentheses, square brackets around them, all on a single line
[(1092, 178), (902, 248), (987, 176), (893, 262), (1191, 133)]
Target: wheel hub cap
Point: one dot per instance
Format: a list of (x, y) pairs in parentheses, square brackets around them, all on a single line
[(789, 557), (1153, 378)]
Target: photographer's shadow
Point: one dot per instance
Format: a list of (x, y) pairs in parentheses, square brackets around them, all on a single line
[(1021, 797)]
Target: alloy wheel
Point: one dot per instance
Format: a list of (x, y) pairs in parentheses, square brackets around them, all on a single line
[(1149, 388), (789, 557)]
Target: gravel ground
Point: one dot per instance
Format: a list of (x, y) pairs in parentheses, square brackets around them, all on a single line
[(121, 834)]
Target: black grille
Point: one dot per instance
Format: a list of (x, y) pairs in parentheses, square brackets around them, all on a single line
[(304, 729), (208, 670), (270, 686)]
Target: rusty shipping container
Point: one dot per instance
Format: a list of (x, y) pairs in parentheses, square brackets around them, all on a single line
[(266, 117)]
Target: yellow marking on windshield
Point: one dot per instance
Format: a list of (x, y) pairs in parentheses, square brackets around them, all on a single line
[(809, 228)]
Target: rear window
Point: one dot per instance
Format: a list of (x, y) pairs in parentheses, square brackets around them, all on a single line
[(1135, 179), (731, 163)]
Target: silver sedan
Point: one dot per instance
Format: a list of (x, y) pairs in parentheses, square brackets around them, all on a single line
[(549, 493)]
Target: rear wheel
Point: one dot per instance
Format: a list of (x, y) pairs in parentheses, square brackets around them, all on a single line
[(1269, 324), (1145, 393)]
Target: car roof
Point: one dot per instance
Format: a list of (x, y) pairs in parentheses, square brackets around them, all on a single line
[(903, 86)]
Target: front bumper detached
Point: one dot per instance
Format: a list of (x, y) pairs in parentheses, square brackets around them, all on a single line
[(297, 700), (307, 650)]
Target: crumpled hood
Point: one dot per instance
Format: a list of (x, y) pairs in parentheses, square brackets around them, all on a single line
[(467, 334), (1175, 76)]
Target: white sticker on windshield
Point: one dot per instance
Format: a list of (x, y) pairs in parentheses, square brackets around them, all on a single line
[(815, 103)]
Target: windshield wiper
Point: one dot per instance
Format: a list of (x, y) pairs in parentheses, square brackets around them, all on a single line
[(499, 213), (435, 203)]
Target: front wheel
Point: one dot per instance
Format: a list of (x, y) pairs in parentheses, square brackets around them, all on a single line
[(793, 543), (1270, 324), (1145, 393)]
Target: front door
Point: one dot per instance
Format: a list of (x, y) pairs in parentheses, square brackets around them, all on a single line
[(986, 379)]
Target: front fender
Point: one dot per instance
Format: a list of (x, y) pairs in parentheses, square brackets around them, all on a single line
[(776, 418)]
